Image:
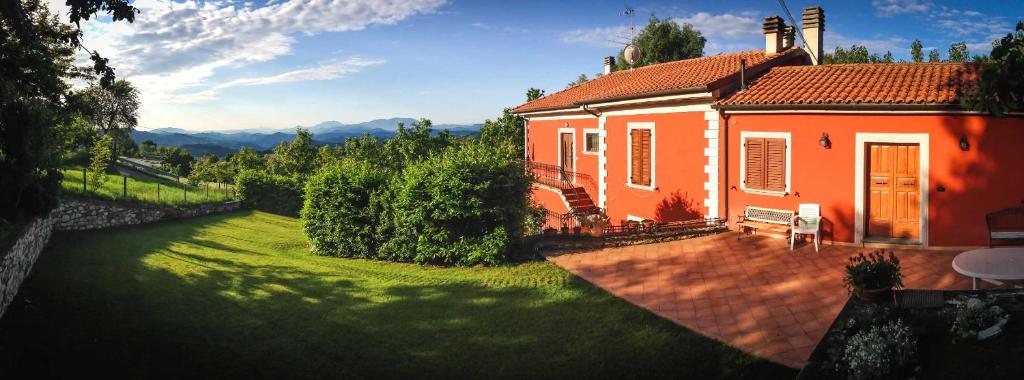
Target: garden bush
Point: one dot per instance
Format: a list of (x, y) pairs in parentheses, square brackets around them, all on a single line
[(270, 193), (341, 210), (465, 206)]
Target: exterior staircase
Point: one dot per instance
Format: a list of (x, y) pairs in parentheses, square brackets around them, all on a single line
[(579, 201), (576, 188)]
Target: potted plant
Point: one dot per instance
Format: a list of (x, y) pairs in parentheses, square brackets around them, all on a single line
[(873, 275), (577, 230), (565, 229), (550, 231), (596, 223)]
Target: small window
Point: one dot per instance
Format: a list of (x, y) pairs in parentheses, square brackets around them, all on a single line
[(765, 164), (640, 159), (592, 141)]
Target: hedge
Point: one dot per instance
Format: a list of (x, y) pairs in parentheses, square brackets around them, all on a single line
[(341, 213), (270, 193)]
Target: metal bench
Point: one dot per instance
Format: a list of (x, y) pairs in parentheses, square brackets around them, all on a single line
[(760, 218), (1006, 226)]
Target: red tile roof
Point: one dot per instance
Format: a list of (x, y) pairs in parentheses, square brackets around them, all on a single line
[(883, 84), (654, 79)]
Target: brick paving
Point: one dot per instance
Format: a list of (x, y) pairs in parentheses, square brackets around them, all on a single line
[(754, 294)]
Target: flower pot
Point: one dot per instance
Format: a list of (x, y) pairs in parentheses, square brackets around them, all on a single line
[(873, 295), (597, 231), (577, 230), (565, 230)]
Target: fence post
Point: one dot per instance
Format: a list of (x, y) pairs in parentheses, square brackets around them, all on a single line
[(84, 174), (207, 195), (158, 192), (124, 190), (184, 188)]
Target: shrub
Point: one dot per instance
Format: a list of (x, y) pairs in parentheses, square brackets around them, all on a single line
[(873, 271), (974, 315), (102, 155), (464, 206), (270, 193), (340, 213), (880, 352)]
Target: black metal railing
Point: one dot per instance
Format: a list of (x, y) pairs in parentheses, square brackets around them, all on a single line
[(556, 175)]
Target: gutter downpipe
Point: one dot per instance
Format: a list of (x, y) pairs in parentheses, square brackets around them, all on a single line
[(586, 108), (725, 165)]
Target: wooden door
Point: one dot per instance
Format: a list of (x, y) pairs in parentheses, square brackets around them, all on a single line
[(566, 161), (894, 197)]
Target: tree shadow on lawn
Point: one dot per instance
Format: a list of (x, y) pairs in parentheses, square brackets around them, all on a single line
[(139, 303)]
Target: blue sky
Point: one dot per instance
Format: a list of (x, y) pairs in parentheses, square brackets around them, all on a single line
[(216, 65)]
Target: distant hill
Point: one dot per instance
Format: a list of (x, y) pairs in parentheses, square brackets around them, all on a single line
[(329, 132)]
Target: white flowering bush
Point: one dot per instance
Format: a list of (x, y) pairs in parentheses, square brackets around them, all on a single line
[(880, 352), (975, 315)]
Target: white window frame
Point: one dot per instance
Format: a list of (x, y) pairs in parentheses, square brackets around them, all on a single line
[(575, 155), (629, 155), (744, 135), (589, 131)]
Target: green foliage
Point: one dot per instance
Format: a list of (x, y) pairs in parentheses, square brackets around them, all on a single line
[(328, 155), (958, 52), (247, 159), (144, 189), (534, 94), (176, 160), (579, 80), (916, 51), (665, 41), (873, 271), (342, 209), (211, 169), (407, 146), (149, 149), (296, 158), (880, 352), (272, 193), (114, 110), (933, 56), (101, 157), (508, 130), (856, 54), (1001, 84), (463, 207)]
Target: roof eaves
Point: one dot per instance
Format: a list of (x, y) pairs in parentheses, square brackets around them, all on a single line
[(840, 107)]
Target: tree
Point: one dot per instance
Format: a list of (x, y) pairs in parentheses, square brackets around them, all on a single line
[(933, 56), (114, 110), (1000, 82), (100, 160), (534, 94), (579, 80), (148, 149), (856, 54), (247, 159), (294, 159), (958, 52), (665, 41), (177, 161), (36, 69), (916, 52)]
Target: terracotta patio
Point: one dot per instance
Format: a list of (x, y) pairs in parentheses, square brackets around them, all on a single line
[(754, 294)]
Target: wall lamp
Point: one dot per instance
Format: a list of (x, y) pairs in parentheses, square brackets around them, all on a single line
[(824, 141), (964, 145)]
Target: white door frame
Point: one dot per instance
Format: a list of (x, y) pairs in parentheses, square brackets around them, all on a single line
[(862, 139)]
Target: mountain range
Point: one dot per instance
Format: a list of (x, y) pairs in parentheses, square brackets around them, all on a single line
[(223, 142)]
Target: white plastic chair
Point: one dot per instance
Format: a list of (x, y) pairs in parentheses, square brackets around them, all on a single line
[(807, 222)]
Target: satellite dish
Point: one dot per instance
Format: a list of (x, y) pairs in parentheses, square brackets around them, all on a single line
[(631, 54)]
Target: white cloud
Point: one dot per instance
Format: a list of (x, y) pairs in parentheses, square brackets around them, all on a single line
[(886, 8), (724, 32), (325, 71), (499, 28), (173, 49)]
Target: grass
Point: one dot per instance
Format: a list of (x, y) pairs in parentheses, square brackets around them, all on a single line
[(238, 295), (143, 188)]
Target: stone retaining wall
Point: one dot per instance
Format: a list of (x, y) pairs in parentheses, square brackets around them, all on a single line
[(16, 262), (80, 214), (87, 214)]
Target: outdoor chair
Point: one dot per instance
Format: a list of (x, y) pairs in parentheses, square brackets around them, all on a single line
[(807, 222)]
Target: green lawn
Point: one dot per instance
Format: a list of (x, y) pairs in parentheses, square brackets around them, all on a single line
[(239, 295), (143, 188)]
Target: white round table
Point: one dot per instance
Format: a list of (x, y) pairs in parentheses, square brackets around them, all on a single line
[(991, 263)]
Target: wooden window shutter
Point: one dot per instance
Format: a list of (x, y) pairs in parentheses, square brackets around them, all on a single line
[(755, 163), (635, 160), (645, 173), (775, 165)]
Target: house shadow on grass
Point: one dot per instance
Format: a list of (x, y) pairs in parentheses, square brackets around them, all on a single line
[(166, 301)]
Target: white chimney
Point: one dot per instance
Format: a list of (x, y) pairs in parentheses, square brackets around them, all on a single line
[(773, 29), (609, 65), (813, 25)]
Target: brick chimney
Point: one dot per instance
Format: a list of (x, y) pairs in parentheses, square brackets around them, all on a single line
[(773, 29), (789, 38), (813, 25), (609, 65)]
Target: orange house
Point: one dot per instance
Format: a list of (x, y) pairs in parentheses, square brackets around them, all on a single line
[(885, 149)]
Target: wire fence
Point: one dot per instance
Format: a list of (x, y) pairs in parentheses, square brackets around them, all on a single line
[(144, 189)]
